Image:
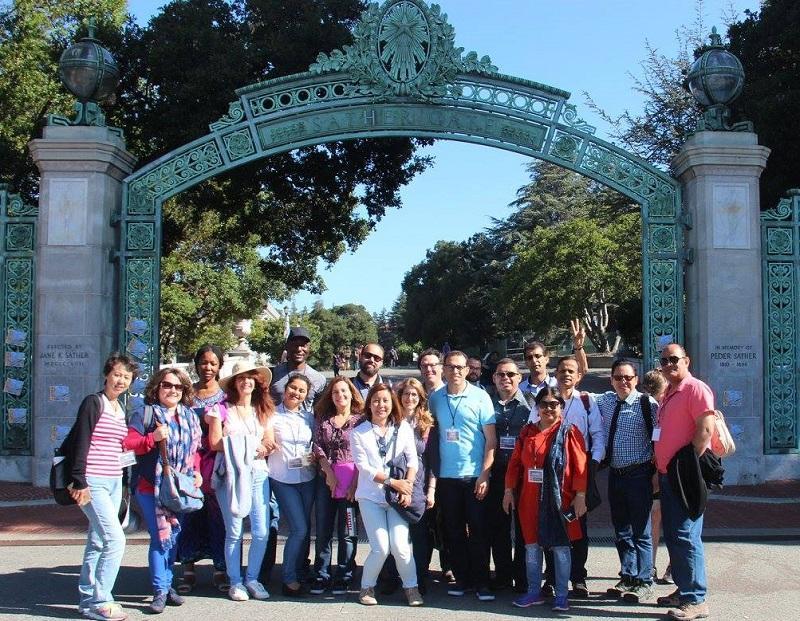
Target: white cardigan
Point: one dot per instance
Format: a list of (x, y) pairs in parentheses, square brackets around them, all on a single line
[(369, 462)]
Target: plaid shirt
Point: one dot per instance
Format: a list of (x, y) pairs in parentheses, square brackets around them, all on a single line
[(631, 442)]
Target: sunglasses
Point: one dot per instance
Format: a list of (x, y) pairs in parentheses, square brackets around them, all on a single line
[(549, 405), (508, 374), (369, 354), (458, 368), (165, 385), (671, 360), (627, 378)]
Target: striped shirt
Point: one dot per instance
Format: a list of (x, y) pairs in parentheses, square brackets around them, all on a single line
[(105, 446)]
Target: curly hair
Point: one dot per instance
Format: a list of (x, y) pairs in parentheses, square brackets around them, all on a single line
[(325, 408), (151, 391), (422, 413), (396, 414), (262, 402)]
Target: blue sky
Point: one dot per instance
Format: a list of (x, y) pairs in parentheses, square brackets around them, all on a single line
[(577, 45)]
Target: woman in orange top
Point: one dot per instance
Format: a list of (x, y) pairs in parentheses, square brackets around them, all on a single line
[(547, 478)]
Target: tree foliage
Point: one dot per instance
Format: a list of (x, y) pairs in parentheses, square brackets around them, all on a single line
[(580, 268), (766, 43)]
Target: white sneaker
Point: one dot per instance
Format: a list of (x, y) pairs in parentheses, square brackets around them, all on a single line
[(238, 593), (256, 589)]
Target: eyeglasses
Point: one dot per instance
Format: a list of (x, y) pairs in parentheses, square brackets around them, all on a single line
[(165, 385), (508, 374), (458, 368), (671, 360), (430, 365), (534, 356), (474, 367), (369, 354), (548, 405), (627, 378)]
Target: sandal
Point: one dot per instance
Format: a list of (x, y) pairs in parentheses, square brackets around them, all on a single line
[(187, 581), (220, 580)]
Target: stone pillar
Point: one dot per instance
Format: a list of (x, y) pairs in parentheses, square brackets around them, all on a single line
[(82, 169), (720, 174)]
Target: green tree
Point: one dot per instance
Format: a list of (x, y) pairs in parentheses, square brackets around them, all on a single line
[(766, 43), (577, 268), (348, 325), (33, 33)]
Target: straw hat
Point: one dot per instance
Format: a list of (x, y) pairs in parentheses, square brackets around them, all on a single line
[(245, 366)]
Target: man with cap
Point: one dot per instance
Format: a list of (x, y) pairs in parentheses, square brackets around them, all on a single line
[(298, 347)]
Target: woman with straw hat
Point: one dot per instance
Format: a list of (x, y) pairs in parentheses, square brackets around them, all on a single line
[(236, 428)]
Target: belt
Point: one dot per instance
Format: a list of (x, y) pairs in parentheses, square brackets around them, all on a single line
[(634, 468)]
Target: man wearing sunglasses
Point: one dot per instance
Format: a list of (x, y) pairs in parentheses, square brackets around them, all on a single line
[(511, 413), (686, 417), (629, 420), (370, 361)]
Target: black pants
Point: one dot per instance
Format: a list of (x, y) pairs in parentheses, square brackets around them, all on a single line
[(461, 510), (506, 568), (579, 552)]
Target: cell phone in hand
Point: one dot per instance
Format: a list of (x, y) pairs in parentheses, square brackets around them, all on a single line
[(569, 515)]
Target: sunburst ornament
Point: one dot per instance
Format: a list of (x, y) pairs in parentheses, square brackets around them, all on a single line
[(404, 41)]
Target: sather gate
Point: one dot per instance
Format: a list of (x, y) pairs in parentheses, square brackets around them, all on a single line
[(402, 76)]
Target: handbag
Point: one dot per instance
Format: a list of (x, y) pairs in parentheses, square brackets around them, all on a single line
[(345, 473), (59, 480), (398, 469), (722, 443), (177, 492)]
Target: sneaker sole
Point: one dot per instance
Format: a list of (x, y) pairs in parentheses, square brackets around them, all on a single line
[(334, 592), (453, 593), (485, 598), (318, 591), (527, 604)]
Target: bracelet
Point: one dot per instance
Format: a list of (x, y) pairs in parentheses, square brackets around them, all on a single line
[(577, 348)]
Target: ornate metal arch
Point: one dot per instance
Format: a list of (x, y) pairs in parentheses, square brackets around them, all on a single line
[(402, 76)]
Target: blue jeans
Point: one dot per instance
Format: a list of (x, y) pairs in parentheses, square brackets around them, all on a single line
[(682, 536), (259, 530), (631, 498), (159, 560), (326, 510), (105, 542), (295, 501), (534, 556)]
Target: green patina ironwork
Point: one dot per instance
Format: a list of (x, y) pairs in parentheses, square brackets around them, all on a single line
[(17, 271), (780, 260), (402, 76)]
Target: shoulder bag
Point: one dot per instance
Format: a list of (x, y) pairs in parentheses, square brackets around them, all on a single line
[(177, 492), (398, 469)]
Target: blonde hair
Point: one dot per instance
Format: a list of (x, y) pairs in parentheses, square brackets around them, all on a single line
[(421, 412)]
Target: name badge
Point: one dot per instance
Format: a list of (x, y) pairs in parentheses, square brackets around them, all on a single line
[(507, 443), (451, 435), (535, 475), (656, 434), (304, 461), (128, 458)]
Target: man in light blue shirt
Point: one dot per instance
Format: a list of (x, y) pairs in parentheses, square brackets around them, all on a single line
[(467, 441)]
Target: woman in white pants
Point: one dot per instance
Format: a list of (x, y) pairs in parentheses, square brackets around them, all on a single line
[(373, 443)]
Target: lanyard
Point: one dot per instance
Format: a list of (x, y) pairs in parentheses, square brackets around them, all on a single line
[(453, 413), (292, 428)]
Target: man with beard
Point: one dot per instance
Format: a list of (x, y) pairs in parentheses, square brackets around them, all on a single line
[(474, 372), (370, 361), (298, 348)]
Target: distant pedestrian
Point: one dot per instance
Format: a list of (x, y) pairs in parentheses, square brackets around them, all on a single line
[(393, 357), (336, 365), (97, 458), (446, 348)]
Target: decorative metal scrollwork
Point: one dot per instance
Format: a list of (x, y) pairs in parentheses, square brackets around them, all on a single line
[(17, 285), (781, 271)]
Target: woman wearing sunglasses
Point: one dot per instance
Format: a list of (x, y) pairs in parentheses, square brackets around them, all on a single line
[(546, 479), (165, 417)]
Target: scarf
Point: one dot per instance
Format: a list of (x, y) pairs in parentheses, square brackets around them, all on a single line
[(552, 531), (182, 444)]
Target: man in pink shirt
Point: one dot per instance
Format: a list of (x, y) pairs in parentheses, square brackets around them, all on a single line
[(685, 416)]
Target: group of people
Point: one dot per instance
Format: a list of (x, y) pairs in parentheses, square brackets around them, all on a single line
[(503, 472)]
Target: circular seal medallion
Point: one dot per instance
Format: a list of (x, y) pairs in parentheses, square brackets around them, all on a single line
[(404, 41)]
